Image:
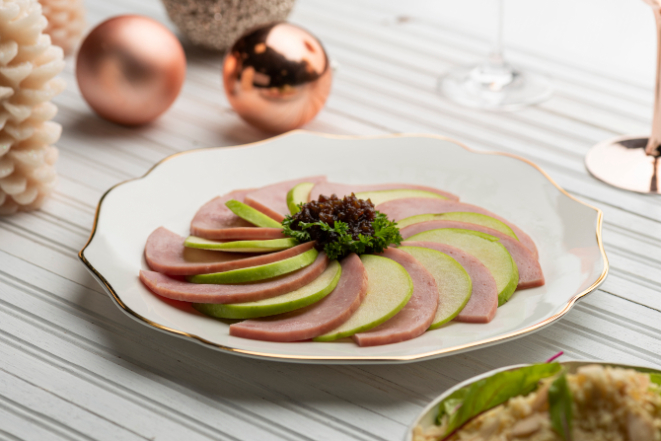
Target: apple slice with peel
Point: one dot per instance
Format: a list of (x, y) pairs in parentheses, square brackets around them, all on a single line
[(299, 194), (307, 295), (389, 289), (255, 217), (260, 272), (454, 283), (380, 196), (460, 216), (240, 246), (484, 247)]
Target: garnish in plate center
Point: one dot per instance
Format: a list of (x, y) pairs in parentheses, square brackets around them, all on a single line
[(342, 226)]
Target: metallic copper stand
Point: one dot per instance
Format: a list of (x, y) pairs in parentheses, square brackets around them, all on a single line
[(623, 162), (632, 162)]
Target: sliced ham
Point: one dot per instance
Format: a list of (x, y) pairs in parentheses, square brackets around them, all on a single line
[(416, 317), (165, 252), (530, 272), (399, 209), (482, 305), (217, 222), (341, 190), (272, 199), (206, 293), (316, 319)]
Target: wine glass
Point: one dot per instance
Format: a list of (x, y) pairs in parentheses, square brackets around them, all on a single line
[(632, 162), (494, 84)]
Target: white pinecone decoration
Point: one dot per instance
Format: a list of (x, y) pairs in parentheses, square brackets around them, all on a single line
[(66, 22), (28, 66)]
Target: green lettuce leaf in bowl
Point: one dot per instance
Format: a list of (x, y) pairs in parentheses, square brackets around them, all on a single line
[(470, 401)]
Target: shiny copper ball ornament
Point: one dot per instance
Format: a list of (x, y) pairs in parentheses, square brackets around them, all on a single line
[(277, 77), (130, 69)]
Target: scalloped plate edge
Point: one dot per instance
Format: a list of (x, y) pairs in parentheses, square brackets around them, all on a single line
[(349, 359)]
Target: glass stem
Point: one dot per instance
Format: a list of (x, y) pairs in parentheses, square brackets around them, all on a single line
[(496, 57), (654, 140)]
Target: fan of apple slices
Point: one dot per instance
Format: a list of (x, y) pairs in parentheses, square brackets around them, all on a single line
[(457, 262)]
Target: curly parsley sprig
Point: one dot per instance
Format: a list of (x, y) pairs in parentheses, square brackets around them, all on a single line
[(339, 242)]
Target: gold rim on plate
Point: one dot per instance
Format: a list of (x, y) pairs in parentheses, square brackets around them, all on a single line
[(358, 359)]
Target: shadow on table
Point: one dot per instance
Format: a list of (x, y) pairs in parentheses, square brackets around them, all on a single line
[(197, 55), (88, 127), (388, 396)]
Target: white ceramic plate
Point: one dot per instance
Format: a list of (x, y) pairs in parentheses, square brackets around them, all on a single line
[(566, 231), (427, 417)]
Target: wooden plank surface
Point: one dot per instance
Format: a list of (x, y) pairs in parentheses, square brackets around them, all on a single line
[(73, 367)]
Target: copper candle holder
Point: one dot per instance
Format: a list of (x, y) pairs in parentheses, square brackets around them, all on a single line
[(632, 162)]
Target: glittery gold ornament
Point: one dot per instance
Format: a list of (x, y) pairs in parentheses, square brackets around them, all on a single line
[(277, 77), (130, 69), (216, 24), (66, 22), (28, 66)]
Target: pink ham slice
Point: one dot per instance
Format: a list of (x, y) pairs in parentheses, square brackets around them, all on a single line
[(341, 190), (399, 209), (416, 317), (204, 293), (165, 252), (482, 305), (313, 320), (217, 222), (530, 272), (272, 199)]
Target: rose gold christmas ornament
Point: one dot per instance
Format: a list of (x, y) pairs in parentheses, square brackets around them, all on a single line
[(130, 69), (277, 77)]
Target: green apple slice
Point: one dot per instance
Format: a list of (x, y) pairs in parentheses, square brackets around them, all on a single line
[(302, 297), (255, 217), (260, 272), (484, 247), (454, 283), (460, 216), (299, 195), (240, 246), (390, 288), (380, 196)]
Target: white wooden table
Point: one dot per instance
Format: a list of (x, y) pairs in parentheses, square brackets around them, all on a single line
[(73, 367)]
